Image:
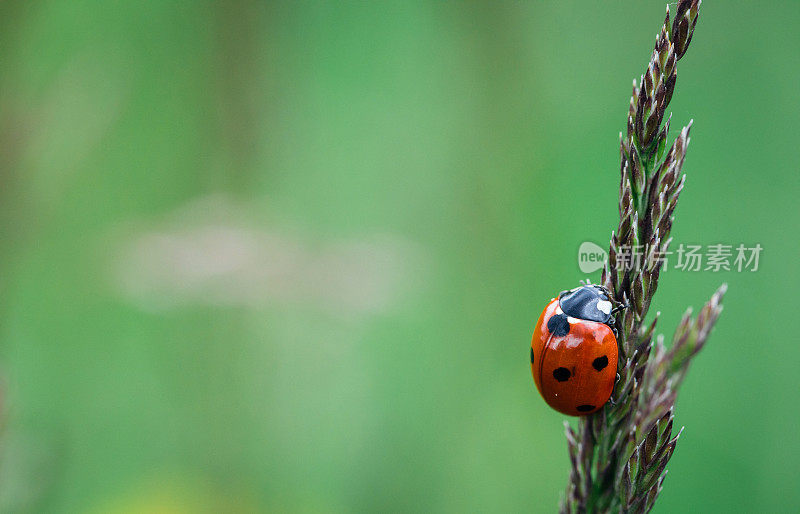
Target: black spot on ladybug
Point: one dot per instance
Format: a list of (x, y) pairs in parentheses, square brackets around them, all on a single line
[(561, 374), (585, 408), (531, 355), (600, 363), (558, 325)]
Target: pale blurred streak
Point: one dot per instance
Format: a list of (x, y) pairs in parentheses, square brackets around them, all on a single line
[(78, 111), (214, 252)]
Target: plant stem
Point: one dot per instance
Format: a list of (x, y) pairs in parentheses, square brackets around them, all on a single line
[(619, 454)]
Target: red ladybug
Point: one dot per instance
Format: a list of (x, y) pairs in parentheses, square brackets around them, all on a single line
[(574, 350)]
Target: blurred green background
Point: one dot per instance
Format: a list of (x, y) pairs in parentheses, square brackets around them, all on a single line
[(288, 257)]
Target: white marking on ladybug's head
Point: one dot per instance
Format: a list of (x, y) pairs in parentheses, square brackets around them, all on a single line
[(604, 306), (558, 310), (572, 320)]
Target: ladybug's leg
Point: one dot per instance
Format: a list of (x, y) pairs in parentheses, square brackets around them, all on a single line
[(611, 398), (618, 308)]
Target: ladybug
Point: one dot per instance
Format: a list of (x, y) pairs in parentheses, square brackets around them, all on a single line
[(574, 350)]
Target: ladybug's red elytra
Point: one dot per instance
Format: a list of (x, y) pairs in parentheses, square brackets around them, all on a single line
[(574, 350)]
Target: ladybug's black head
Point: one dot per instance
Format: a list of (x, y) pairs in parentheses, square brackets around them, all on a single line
[(590, 302)]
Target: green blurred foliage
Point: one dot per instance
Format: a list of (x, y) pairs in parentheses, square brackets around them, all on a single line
[(288, 257)]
